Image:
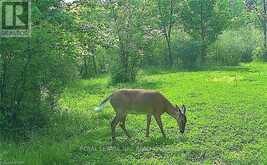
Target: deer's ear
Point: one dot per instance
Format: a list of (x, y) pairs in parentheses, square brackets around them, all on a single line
[(180, 112), (184, 109)]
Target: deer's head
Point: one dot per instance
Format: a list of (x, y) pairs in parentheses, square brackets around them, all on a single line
[(181, 118)]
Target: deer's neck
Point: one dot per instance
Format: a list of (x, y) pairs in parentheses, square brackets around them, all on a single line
[(170, 109)]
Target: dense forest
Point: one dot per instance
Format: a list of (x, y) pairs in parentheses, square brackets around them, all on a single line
[(122, 41)]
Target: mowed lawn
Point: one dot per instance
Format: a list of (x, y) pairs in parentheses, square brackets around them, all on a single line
[(227, 122)]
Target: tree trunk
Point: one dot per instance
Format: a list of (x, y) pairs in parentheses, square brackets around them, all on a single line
[(94, 61), (264, 24), (18, 96), (167, 28), (85, 67), (3, 78), (123, 55), (3, 84), (169, 52), (203, 47), (94, 64), (169, 32)]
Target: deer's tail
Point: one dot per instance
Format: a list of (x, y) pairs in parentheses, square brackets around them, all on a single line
[(102, 104)]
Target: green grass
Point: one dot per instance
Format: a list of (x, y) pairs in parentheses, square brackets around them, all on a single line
[(227, 122)]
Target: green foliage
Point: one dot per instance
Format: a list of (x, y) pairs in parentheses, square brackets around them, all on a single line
[(93, 33), (154, 53), (120, 75), (129, 36), (167, 12), (240, 16), (204, 20), (33, 71), (233, 47), (264, 55), (188, 52), (260, 54)]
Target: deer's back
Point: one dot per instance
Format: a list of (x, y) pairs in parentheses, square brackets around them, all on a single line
[(138, 101)]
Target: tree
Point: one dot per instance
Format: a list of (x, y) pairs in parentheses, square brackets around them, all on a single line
[(258, 7), (204, 20), (167, 15), (91, 31), (33, 71), (127, 27)]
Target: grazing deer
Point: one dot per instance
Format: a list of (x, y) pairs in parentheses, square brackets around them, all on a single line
[(140, 101)]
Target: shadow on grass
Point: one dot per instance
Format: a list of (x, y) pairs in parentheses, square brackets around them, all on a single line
[(225, 68), (142, 85), (101, 88), (88, 87), (199, 69), (161, 141)]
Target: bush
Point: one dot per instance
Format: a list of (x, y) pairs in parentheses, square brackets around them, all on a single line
[(122, 72), (156, 50), (154, 53), (226, 50), (264, 55), (188, 51), (233, 47), (260, 53), (32, 76), (120, 75)]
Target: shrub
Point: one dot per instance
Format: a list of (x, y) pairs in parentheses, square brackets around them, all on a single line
[(264, 55), (260, 53), (188, 51), (233, 47), (122, 72), (32, 76)]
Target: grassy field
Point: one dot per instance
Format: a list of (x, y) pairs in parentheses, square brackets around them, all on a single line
[(227, 122)]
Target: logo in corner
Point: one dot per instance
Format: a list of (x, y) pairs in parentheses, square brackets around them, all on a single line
[(15, 18)]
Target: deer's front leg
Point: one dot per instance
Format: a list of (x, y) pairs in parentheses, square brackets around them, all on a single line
[(148, 124), (158, 119)]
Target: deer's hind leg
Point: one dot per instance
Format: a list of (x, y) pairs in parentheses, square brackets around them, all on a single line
[(113, 124), (122, 125), (148, 124)]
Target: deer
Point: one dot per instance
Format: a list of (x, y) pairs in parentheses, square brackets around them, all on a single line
[(141, 101)]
